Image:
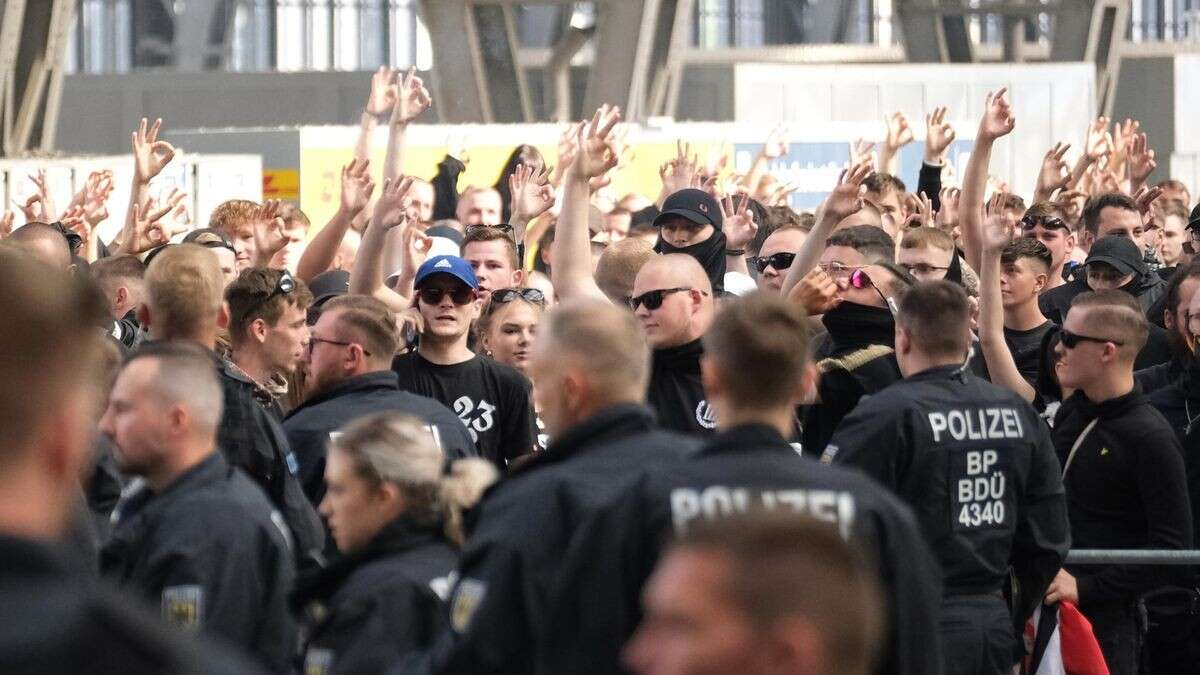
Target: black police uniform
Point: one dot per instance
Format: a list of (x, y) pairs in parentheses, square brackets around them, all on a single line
[(1126, 489), (746, 467), (213, 554), (58, 620), (499, 608), (365, 611), (308, 426), (252, 440), (676, 393), (978, 468)]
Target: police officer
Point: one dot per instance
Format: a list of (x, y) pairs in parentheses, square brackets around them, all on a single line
[(58, 620), (590, 363), (249, 436), (976, 465), (197, 537), (756, 369)]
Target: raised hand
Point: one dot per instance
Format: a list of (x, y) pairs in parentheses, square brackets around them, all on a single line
[(6, 224), (947, 217), (777, 144), (595, 156), (998, 119), (922, 215), (532, 193), (357, 186), (390, 209), (34, 209), (1144, 198), (412, 98), (816, 292), (149, 229), (938, 136), (681, 172), (1123, 135), (899, 134), (862, 151), (996, 231), (738, 223), (150, 155), (383, 92), (1099, 142), (1054, 174), (1139, 161), (269, 235), (847, 197), (416, 244)]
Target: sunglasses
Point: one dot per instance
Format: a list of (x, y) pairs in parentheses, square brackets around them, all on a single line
[(1071, 340), (654, 299), (285, 285), (780, 261), (531, 295), (1047, 222), (459, 296)]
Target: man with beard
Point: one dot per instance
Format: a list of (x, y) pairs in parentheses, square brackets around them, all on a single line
[(1175, 318), (348, 363)]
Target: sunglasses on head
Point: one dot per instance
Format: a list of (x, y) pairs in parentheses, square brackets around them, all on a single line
[(780, 261), (531, 295), (285, 285), (432, 295), (654, 299), (1047, 222), (1071, 340)]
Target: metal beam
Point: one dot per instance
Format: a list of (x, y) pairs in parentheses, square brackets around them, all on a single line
[(32, 48)]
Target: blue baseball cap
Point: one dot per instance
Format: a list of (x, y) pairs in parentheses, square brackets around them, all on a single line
[(447, 264)]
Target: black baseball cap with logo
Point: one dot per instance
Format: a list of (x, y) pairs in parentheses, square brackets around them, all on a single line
[(693, 204)]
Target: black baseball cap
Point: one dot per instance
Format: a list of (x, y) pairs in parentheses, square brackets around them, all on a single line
[(1194, 218), (209, 238), (696, 205), (1120, 252)]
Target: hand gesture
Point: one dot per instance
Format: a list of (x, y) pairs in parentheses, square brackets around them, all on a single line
[(1145, 196), (149, 229), (922, 215), (777, 144), (681, 172), (1099, 142), (594, 156), (412, 98), (357, 186), (6, 224), (781, 194), (1123, 135), (816, 292), (938, 135), (998, 119), (94, 202), (383, 92), (34, 209), (390, 210), (947, 217), (416, 245), (738, 223), (150, 155), (73, 220), (1054, 175), (996, 231), (862, 151), (899, 134), (40, 204), (1140, 161), (847, 197), (269, 236), (532, 194)]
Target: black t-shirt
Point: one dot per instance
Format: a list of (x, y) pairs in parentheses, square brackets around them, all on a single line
[(1026, 347), (492, 400)]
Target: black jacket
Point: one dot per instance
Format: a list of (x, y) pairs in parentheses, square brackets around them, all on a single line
[(976, 464), (213, 554), (445, 188), (252, 440), (676, 393), (1125, 489), (58, 620), (1055, 302), (501, 608), (367, 610), (744, 467), (308, 426), (1179, 404)]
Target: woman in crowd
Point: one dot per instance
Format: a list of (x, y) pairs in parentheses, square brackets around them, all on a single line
[(507, 328), (395, 511)]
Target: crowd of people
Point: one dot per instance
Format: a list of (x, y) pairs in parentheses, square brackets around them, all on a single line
[(540, 427)]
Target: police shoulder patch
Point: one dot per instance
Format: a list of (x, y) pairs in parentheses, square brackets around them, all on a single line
[(183, 606), (467, 596)]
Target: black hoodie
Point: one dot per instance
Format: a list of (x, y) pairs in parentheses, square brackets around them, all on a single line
[(710, 253), (676, 393)]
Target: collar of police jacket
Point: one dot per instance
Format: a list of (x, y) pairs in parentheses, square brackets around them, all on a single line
[(607, 425), (744, 437), (852, 325), (400, 535)]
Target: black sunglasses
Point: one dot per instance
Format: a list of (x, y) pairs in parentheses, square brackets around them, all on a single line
[(780, 261), (1047, 222), (1071, 340), (285, 285), (654, 299), (459, 296), (531, 295)]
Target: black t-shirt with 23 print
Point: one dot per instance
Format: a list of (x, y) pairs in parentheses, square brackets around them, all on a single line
[(490, 398)]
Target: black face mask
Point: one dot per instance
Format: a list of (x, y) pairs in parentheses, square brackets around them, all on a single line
[(851, 324), (710, 253)]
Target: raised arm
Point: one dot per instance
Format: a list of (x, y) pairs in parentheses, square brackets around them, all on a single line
[(997, 121), (379, 103), (357, 188), (411, 99), (1002, 369), (532, 195), (150, 157), (367, 276), (775, 147), (572, 270), (740, 228), (1053, 175), (898, 135), (844, 200)]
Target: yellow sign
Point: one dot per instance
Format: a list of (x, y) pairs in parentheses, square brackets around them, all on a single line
[(281, 184)]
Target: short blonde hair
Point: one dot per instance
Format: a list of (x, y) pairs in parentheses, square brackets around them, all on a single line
[(184, 291), (604, 340)]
